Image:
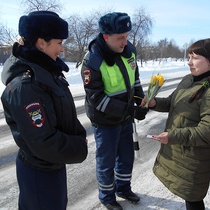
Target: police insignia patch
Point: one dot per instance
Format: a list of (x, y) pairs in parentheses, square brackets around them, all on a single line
[(133, 65), (132, 62), (35, 114), (86, 76)]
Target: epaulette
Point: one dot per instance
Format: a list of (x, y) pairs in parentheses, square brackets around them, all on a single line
[(94, 58), (27, 76)]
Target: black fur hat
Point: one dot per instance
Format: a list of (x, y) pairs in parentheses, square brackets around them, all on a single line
[(115, 23), (43, 24)]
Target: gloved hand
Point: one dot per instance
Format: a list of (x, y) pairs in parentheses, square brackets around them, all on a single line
[(137, 112)]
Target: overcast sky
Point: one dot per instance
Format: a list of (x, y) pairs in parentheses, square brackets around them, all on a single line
[(179, 20)]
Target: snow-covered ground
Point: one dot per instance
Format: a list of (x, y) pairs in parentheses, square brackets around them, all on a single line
[(82, 185)]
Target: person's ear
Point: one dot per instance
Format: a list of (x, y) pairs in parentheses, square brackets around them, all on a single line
[(106, 37), (41, 44)]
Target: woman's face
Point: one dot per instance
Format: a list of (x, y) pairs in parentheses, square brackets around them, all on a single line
[(52, 48), (198, 64), (116, 42)]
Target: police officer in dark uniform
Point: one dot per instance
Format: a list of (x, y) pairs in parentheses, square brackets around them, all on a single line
[(111, 80), (40, 112)]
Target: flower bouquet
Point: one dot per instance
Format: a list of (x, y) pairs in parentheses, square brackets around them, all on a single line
[(156, 82)]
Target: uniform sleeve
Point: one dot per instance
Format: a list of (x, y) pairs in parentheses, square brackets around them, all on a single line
[(31, 116), (162, 104)]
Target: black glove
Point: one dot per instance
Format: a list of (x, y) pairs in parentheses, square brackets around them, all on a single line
[(138, 112)]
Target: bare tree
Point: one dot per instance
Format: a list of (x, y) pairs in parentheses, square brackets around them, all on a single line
[(141, 27), (163, 49), (162, 44), (142, 47), (7, 38), (37, 5), (173, 51), (81, 31), (7, 35)]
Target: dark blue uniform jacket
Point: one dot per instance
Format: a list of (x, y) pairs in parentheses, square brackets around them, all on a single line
[(40, 110)]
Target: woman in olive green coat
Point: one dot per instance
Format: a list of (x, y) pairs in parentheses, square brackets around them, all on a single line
[(183, 162)]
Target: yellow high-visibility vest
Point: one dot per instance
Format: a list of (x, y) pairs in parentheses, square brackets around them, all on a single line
[(112, 77)]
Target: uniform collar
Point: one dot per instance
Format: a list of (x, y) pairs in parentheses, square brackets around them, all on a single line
[(202, 76), (33, 55)]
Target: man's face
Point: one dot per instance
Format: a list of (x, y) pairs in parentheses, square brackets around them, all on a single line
[(116, 42)]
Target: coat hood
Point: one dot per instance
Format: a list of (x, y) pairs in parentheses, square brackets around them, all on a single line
[(12, 68)]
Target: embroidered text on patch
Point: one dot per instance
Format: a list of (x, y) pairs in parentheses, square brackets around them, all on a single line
[(35, 113)]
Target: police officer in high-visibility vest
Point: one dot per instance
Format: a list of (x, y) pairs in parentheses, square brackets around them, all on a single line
[(111, 80)]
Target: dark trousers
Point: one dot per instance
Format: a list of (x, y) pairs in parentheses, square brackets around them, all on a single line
[(41, 190), (198, 205), (114, 160)]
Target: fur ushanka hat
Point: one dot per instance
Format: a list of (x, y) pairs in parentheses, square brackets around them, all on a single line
[(115, 23), (43, 24)]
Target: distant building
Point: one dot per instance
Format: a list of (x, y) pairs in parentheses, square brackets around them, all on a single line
[(5, 51)]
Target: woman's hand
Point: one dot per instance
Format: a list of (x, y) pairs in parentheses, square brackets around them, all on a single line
[(152, 103), (162, 138)]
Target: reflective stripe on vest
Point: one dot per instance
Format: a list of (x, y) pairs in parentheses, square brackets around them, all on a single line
[(112, 77)]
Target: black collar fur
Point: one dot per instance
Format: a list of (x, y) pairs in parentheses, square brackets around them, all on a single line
[(33, 55)]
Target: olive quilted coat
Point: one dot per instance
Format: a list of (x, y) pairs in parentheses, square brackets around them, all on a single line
[(183, 165)]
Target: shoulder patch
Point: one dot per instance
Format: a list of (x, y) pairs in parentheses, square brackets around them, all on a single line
[(86, 76), (132, 63), (35, 114)]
